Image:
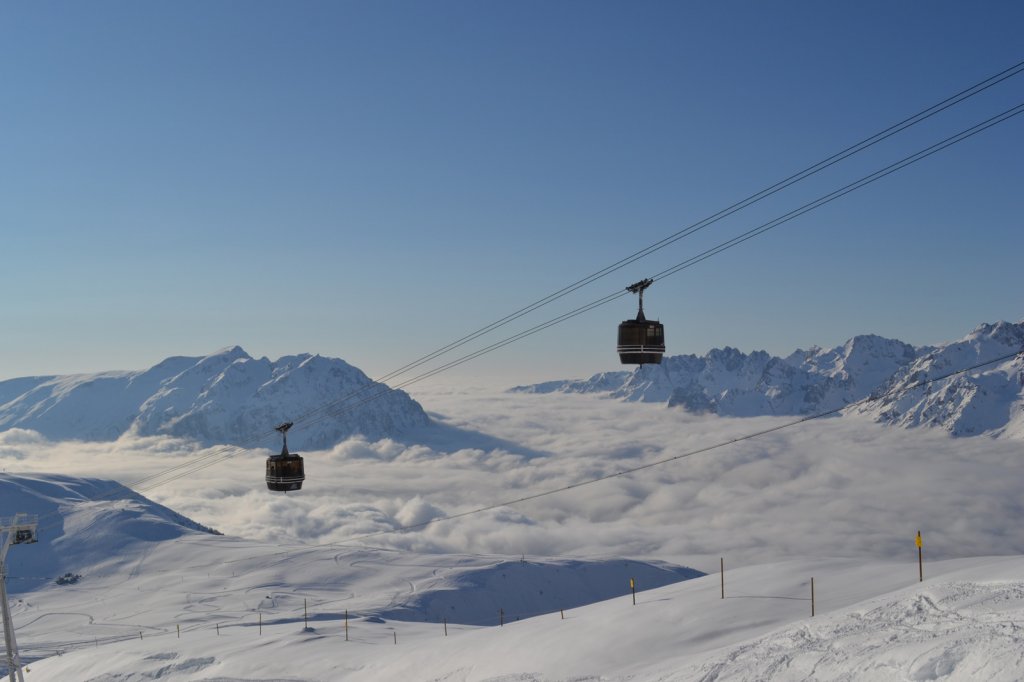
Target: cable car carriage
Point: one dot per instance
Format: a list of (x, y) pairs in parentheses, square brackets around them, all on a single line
[(641, 341), (285, 471)]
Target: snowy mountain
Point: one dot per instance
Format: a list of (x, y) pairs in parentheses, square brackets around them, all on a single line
[(990, 400), (728, 382), (226, 397)]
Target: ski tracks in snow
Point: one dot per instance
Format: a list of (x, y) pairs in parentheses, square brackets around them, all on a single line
[(932, 634)]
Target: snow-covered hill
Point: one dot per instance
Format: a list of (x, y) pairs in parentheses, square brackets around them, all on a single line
[(190, 606), (226, 397), (84, 522), (728, 382), (145, 569)]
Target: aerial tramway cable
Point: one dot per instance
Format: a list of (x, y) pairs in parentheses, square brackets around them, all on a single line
[(853, 149), (324, 413), (338, 406)]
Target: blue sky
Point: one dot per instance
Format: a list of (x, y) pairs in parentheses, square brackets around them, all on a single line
[(374, 180)]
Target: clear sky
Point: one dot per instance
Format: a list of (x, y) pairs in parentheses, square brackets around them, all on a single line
[(372, 180)]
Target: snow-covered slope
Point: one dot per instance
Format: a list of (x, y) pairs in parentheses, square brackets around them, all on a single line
[(990, 400), (84, 522), (189, 606), (226, 397), (728, 382), (144, 569)]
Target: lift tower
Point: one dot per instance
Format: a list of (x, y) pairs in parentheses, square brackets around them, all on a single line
[(20, 530)]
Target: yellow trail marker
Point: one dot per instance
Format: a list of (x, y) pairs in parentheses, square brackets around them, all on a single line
[(917, 540)]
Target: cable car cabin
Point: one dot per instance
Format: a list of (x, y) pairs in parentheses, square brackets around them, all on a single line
[(641, 341), (285, 471), (24, 536)]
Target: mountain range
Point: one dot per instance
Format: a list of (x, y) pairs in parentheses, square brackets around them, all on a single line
[(223, 398), (729, 382)]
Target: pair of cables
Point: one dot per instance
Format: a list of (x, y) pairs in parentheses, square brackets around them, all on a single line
[(376, 390)]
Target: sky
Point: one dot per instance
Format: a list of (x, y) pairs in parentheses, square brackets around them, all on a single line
[(373, 181)]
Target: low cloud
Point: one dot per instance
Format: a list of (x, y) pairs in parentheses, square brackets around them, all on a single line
[(833, 487)]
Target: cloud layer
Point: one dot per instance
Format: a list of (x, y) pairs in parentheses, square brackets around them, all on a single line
[(826, 488)]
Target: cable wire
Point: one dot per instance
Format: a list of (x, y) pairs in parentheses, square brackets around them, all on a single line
[(337, 407), (684, 455), (866, 143), (228, 452)]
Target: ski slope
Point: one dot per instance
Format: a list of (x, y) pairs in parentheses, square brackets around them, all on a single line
[(874, 622), (161, 597)]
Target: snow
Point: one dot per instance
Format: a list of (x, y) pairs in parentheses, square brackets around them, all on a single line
[(225, 397), (729, 382), (988, 401), (835, 500), (241, 610)]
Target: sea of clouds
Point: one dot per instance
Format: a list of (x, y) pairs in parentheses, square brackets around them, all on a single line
[(832, 487)]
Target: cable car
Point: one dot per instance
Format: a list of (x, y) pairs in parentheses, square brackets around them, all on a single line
[(24, 536), (285, 471), (641, 341)]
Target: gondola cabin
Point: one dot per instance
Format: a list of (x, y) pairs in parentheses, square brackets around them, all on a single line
[(641, 341), (24, 536), (285, 471)]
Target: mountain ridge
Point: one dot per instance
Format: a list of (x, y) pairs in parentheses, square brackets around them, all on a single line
[(222, 398), (728, 382)]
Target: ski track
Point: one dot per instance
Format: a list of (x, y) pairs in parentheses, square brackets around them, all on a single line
[(953, 643)]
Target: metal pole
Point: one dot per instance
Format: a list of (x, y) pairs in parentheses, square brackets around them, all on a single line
[(10, 641), (8, 624), (21, 529), (722, 571)]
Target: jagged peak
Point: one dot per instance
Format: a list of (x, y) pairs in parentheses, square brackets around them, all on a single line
[(1007, 333), (230, 352)]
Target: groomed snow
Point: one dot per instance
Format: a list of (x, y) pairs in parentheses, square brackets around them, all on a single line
[(874, 622)]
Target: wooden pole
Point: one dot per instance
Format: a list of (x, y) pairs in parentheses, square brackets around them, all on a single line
[(445, 627), (722, 571), (305, 613), (346, 625), (179, 631), (562, 611), (812, 597), (218, 629), (261, 622), (501, 617), (395, 633)]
